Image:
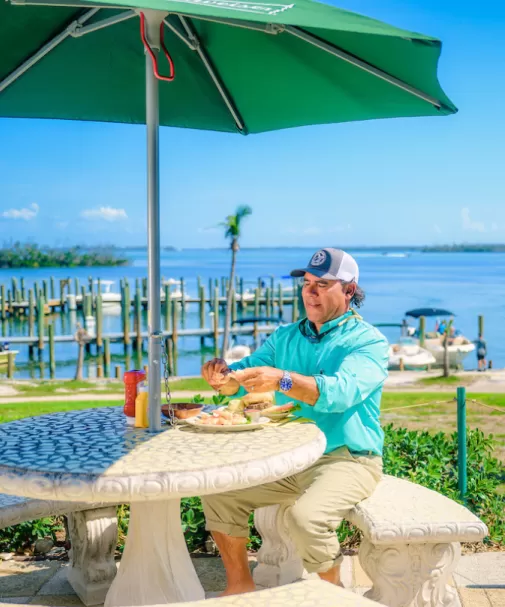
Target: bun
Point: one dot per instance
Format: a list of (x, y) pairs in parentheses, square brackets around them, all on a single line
[(254, 398)]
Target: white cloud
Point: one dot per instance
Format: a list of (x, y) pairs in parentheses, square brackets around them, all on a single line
[(437, 229), (26, 213), (469, 224), (106, 213)]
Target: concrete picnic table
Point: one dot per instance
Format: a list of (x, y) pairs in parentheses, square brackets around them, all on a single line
[(94, 456)]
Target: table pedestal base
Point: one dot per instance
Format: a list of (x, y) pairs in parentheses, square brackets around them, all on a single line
[(156, 567)]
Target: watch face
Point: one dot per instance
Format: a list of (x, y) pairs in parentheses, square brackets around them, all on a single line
[(286, 383)]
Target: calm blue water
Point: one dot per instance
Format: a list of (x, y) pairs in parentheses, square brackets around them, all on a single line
[(468, 284)]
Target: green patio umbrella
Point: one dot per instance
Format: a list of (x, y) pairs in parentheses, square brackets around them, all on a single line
[(224, 65)]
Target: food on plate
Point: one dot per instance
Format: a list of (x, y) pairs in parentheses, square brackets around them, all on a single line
[(183, 410), (258, 400), (236, 405), (222, 417)]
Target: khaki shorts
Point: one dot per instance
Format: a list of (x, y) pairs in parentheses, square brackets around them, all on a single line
[(320, 499)]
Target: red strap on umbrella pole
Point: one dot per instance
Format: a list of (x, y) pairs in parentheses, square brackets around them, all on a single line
[(151, 52)]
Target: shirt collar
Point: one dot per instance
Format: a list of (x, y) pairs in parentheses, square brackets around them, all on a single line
[(330, 324)]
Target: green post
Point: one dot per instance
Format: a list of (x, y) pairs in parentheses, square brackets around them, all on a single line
[(269, 303), (45, 288), (52, 360), (223, 286), (99, 323), (90, 284), (481, 325), (462, 466), (10, 302), (422, 331), (168, 308), (40, 324), (138, 322), (216, 321), (126, 320), (76, 287), (233, 306), (4, 303), (10, 365), (183, 303), (62, 294), (106, 356), (52, 291), (201, 294), (175, 327), (241, 291), (281, 301), (15, 290), (23, 290), (257, 296), (144, 287), (31, 312)]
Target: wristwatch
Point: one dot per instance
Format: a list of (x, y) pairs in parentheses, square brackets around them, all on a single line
[(286, 382)]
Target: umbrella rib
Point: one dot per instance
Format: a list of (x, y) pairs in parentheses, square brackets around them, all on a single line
[(363, 65), (225, 95), (88, 29), (47, 48)]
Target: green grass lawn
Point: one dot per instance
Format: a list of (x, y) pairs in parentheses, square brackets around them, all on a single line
[(50, 387), (452, 380)]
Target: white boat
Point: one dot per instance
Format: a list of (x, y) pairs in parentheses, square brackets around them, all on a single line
[(237, 353), (459, 348), (175, 289), (109, 298), (407, 353)]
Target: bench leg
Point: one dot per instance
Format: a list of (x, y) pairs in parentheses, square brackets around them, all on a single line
[(411, 575), (278, 562), (93, 535)]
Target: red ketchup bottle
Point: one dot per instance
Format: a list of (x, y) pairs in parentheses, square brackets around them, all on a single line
[(131, 379)]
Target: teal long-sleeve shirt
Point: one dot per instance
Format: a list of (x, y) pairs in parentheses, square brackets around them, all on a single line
[(349, 365)]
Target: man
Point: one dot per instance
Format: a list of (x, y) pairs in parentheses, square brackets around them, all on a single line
[(334, 365), (481, 347)]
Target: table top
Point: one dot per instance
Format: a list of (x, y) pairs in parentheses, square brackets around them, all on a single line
[(92, 455)]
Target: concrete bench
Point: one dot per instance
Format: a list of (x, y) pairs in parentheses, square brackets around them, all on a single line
[(411, 544), (311, 593), (93, 536)]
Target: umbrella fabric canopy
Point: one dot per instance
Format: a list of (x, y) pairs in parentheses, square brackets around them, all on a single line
[(239, 67), (428, 312), (289, 77)]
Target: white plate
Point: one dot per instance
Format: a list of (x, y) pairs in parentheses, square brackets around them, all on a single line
[(194, 421)]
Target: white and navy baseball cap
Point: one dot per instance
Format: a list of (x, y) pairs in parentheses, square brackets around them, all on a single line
[(331, 264)]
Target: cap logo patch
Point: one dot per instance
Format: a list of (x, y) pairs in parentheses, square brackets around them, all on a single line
[(318, 259)]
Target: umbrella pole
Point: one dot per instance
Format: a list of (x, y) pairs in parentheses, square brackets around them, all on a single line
[(153, 247)]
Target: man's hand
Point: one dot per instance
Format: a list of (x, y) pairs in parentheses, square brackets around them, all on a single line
[(218, 375), (259, 379)]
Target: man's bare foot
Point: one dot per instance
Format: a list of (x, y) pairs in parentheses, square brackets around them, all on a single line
[(238, 589)]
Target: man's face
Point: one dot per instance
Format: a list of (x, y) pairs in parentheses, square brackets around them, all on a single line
[(325, 299)]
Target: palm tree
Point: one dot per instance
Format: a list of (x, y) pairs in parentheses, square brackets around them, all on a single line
[(232, 227)]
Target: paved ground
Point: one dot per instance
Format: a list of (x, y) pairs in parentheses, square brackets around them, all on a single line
[(480, 580)]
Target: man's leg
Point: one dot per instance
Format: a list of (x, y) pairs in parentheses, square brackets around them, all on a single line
[(334, 486), (227, 517)]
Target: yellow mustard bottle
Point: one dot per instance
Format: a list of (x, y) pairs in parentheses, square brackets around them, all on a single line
[(141, 406)]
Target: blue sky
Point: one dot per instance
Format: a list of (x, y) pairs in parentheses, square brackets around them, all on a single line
[(416, 181)]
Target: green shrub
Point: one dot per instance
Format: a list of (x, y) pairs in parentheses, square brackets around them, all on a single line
[(428, 459), (25, 534)]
